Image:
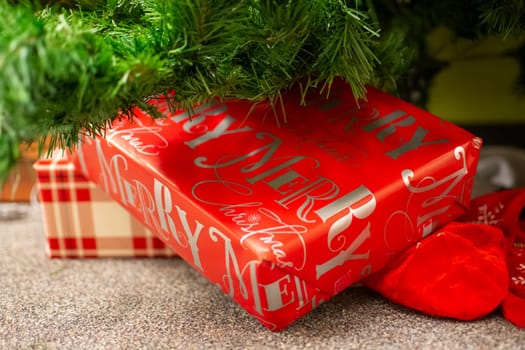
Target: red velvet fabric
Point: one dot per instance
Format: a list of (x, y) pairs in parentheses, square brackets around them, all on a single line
[(506, 210), (466, 269), (514, 304), (458, 272), (514, 309)]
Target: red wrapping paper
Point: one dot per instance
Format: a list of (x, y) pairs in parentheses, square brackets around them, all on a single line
[(284, 217)]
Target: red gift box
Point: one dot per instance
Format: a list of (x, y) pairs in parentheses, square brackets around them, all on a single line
[(284, 217), (82, 221)]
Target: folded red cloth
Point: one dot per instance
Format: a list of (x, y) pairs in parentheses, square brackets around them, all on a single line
[(466, 269), (506, 210), (458, 272), (514, 304)]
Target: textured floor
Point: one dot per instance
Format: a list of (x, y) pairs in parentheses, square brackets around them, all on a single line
[(164, 304)]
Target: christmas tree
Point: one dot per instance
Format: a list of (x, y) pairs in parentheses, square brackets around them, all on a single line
[(69, 67)]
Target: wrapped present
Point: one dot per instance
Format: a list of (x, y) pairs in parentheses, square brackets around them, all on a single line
[(82, 221), (284, 217)]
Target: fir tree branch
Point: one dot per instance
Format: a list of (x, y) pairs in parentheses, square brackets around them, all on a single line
[(69, 67), (503, 17), (72, 71)]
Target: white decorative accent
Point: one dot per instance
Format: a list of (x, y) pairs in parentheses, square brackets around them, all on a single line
[(488, 215), (519, 280), (133, 136)]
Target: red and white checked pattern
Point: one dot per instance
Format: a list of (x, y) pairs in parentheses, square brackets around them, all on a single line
[(82, 221)]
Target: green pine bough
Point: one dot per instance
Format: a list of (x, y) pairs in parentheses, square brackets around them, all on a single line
[(69, 67)]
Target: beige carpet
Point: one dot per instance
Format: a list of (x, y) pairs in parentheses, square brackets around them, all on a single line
[(164, 304)]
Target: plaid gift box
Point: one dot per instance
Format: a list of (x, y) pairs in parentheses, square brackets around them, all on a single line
[(82, 221)]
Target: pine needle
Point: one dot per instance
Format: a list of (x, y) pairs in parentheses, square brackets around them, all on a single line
[(69, 67)]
